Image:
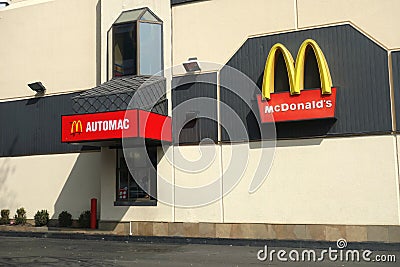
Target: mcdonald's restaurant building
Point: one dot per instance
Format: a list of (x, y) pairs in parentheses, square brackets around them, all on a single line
[(320, 80)]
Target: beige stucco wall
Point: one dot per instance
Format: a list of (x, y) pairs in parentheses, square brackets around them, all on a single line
[(16, 1), (218, 28), (379, 19), (187, 176), (53, 182), (212, 31), (62, 51), (349, 180), (346, 180), (52, 41)]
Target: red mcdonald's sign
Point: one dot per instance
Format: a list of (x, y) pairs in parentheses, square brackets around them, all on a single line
[(300, 104)]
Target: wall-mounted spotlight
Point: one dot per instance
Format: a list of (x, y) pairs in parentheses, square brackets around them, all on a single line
[(4, 3), (37, 87), (191, 115), (192, 65)]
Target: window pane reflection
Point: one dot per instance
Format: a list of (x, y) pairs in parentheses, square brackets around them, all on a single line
[(125, 46), (150, 48), (144, 179)]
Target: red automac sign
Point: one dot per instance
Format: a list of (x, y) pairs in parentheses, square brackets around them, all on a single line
[(115, 125), (308, 105)]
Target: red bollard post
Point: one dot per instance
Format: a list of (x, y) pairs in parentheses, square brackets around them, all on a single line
[(93, 213)]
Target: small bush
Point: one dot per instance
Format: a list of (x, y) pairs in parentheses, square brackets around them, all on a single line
[(84, 219), (65, 219), (20, 217), (41, 218), (5, 217)]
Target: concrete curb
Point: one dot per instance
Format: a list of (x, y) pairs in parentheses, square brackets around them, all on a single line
[(207, 241)]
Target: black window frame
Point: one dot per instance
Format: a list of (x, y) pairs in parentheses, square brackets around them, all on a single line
[(151, 201)]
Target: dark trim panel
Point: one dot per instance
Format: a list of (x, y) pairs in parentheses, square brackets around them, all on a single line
[(33, 126), (359, 70), (194, 108), (181, 2), (396, 85)]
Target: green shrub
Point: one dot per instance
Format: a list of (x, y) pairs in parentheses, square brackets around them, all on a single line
[(84, 219), (65, 219), (5, 217), (20, 217), (41, 218)]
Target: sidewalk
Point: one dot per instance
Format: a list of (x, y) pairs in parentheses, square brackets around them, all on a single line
[(89, 234), (49, 229), (55, 232)]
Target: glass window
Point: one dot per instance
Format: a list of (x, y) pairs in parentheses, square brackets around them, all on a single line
[(135, 188), (124, 52), (136, 44), (150, 48)]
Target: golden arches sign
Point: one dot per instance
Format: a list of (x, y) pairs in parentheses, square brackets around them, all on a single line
[(295, 73), (76, 127)]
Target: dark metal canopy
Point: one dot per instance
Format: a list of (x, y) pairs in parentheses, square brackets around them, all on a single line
[(117, 94)]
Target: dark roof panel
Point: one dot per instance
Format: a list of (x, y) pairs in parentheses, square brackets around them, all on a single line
[(116, 94)]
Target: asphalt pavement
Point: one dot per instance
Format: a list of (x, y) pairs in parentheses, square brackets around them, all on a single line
[(30, 251)]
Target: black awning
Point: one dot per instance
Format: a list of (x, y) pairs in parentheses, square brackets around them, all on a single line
[(117, 93), (106, 113)]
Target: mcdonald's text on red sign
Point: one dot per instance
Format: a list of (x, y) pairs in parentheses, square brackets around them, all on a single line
[(308, 105)]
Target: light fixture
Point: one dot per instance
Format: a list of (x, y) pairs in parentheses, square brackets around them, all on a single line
[(192, 65), (4, 3), (191, 115), (37, 87)]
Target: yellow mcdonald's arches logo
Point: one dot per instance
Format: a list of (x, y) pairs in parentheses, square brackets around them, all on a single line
[(295, 73), (76, 127)]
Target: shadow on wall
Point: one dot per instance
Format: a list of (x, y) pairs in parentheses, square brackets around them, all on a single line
[(82, 184), (6, 169)]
